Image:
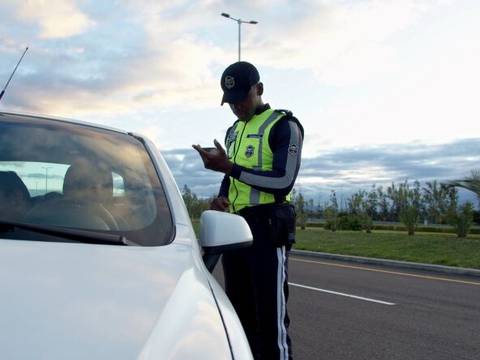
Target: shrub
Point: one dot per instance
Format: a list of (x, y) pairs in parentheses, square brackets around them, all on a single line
[(409, 205), (367, 223), (409, 216), (476, 217), (350, 222), (331, 216), (461, 219), (432, 229)]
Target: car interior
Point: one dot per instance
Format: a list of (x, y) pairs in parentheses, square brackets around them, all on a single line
[(56, 174), (85, 202)]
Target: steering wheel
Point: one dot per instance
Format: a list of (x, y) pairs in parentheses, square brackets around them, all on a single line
[(76, 214)]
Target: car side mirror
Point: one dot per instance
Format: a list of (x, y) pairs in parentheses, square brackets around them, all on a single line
[(221, 232)]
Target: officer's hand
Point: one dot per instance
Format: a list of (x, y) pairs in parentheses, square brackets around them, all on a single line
[(215, 159), (220, 204)]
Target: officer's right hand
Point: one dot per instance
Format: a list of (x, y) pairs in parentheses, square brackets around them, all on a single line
[(216, 160), (220, 204)]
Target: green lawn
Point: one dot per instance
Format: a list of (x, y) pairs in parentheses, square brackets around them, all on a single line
[(431, 248)]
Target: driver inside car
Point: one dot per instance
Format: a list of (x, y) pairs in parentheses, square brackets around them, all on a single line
[(87, 193)]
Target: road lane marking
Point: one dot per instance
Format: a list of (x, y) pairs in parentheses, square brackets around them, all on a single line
[(389, 272), (342, 294)]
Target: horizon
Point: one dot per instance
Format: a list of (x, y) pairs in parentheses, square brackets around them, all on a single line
[(386, 91)]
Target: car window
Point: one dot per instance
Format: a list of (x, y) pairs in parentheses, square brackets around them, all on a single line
[(38, 177), (118, 185), (78, 176)]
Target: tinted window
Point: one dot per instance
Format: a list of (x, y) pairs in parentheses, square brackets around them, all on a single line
[(63, 174)]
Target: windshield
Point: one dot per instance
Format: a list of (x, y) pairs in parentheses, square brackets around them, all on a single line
[(78, 176)]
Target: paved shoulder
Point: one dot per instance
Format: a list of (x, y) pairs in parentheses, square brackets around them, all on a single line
[(345, 310)]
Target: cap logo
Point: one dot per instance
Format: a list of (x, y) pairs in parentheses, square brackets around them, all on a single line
[(229, 82)]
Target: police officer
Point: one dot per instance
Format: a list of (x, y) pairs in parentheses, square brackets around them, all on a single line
[(261, 162)]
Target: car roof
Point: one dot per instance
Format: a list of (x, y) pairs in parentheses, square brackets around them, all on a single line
[(30, 118)]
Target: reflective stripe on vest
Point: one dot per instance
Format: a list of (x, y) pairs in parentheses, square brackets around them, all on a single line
[(247, 145)]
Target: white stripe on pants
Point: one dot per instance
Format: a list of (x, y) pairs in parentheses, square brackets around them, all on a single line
[(281, 306)]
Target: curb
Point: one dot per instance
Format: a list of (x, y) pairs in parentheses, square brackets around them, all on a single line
[(394, 263)]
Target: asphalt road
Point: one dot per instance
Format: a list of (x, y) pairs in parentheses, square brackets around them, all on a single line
[(342, 310)]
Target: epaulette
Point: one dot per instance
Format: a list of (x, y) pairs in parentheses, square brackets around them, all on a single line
[(227, 134), (289, 116), (287, 113)]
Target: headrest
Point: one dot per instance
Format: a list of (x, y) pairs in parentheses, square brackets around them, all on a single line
[(14, 196), (85, 180), (10, 183)]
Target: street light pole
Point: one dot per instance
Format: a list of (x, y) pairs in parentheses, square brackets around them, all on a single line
[(239, 39), (239, 22), (46, 177)]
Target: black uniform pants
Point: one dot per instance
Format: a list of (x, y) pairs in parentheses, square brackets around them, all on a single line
[(256, 282)]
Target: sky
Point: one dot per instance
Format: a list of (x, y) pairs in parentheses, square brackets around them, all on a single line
[(387, 90)]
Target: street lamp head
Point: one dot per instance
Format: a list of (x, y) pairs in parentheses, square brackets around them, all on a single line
[(239, 22)]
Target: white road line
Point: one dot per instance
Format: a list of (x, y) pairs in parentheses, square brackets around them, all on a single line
[(343, 294)]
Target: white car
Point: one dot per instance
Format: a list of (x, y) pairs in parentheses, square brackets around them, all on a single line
[(98, 258)]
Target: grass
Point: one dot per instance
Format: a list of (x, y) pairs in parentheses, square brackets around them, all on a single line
[(434, 248), (428, 248)]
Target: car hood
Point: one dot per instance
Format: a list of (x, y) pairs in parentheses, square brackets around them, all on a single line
[(79, 301)]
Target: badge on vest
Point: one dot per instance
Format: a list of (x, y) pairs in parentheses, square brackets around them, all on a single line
[(250, 150)]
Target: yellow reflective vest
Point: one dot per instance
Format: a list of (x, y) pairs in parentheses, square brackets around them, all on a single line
[(247, 145)]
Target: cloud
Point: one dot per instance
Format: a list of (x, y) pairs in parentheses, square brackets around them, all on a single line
[(395, 162), (166, 54), (145, 54), (343, 43), (55, 18), (187, 168), (350, 168), (377, 71)]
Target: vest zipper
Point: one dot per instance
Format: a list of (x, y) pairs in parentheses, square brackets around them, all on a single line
[(234, 159)]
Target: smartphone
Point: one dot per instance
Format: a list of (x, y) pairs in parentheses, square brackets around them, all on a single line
[(210, 149)]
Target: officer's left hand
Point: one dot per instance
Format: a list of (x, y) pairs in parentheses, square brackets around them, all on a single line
[(215, 160)]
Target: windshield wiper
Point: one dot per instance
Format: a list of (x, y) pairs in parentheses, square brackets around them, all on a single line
[(85, 236)]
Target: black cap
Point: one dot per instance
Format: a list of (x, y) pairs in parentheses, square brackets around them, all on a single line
[(237, 79)]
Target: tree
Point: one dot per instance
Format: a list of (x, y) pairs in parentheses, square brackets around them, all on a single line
[(409, 205), (394, 194), (319, 211), (358, 213), (383, 204), (331, 213), (461, 218), (195, 206), (310, 209), (471, 183), (437, 201), (299, 203), (189, 198), (371, 203), (355, 202)]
